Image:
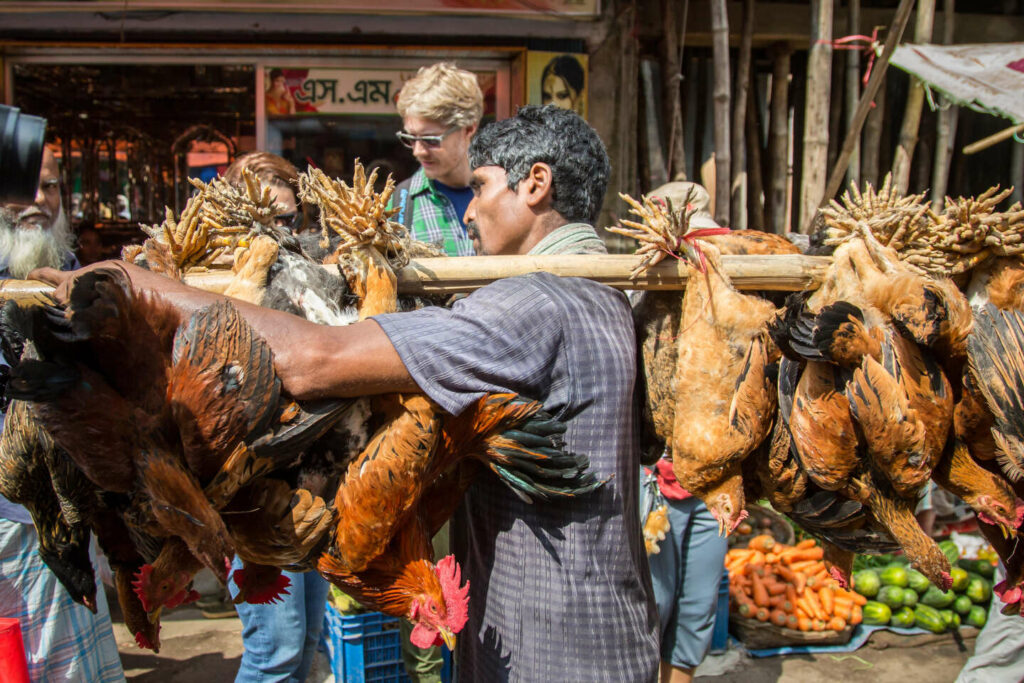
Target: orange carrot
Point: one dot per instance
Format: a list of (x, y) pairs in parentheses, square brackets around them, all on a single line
[(778, 548), (762, 542), (853, 596), (806, 543), (806, 566), (844, 610), (800, 583), (762, 614), (759, 592), (856, 616), (812, 598), (818, 625), (778, 617), (771, 558), (836, 624), (825, 594), (804, 623), (791, 593), (792, 621), (774, 587), (786, 573), (801, 554)]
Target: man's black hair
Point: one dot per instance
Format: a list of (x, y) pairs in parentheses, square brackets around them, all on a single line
[(559, 138)]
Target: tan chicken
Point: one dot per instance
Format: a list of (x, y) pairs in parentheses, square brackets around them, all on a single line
[(709, 394)]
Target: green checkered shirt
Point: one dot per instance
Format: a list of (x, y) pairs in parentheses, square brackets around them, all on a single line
[(434, 219)]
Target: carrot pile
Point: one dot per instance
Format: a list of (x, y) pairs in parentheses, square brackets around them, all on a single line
[(789, 586)]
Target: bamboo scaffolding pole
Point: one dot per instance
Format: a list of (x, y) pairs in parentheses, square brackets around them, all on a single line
[(720, 97), (814, 163), (778, 142), (853, 89), (740, 171), (675, 38), (985, 143), (863, 107), (946, 133), (871, 147), (453, 275), (755, 178), (915, 103)]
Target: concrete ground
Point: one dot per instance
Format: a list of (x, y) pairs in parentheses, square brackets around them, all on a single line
[(194, 648)]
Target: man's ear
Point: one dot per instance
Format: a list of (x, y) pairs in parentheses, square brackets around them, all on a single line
[(539, 185)]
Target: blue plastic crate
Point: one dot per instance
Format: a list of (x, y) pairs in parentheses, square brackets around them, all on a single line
[(368, 648), (720, 631)]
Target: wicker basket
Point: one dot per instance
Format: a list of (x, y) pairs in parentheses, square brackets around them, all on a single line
[(761, 635), (779, 527)]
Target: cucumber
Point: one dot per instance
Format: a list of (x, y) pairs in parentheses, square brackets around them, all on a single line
[(962, 605), (875, 613), (950, 550), (960, 578), (978, 590), (977, 616), (894, 575), (933, 597), (903, 618), (918, 581), (910, 598), (867, 583), (983, 568), (891, 596), (929, 619), (947, 617)]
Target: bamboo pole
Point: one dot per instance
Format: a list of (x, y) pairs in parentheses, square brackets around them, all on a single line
[(853, 89), (755, 177), (674, 40), (874, 83), (720, 54), (993, 139), (778, 142), (437, 276), (871, 147), (946, 132), (915, 103), (814, 162), (740, 171)]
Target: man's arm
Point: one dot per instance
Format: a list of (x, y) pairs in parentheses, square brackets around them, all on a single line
[(313, 361)]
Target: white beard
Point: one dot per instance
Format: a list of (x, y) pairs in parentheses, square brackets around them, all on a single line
[(24, 249)]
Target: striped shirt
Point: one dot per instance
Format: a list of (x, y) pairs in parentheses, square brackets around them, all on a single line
[(434, 218), (63, 640), (558, 591)]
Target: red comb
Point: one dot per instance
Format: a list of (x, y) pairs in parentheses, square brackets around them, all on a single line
[(456, 598), (142, 581)]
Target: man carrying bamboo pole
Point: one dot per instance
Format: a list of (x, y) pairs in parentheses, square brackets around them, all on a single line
[(560, 591)]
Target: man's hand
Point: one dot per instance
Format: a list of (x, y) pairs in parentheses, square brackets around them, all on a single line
[(142, 280)]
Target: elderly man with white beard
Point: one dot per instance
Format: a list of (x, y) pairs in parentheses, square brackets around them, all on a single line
[(64, 641)]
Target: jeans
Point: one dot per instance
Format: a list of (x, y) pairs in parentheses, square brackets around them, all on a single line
[(280, 639), (685, 575)]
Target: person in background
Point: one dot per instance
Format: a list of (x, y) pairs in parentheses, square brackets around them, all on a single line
[(441, 107), (687, 570), (279, 639), (561, 83), (278, 98), (63, 640), (90, 244)]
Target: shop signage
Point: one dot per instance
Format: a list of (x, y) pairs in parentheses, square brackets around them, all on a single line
[(297, 91), (551, 8)]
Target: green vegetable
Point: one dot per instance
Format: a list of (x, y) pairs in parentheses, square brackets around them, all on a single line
[(947, 617), (903, 618), (983, 568), (909, 598), (875, 613), (894, 575), (891, 596), (960, 579), (956, 620), (929, 619), (977, 616), (918, 581), (962, 604), (950, 550), (933, 597), (867, 583), (978, 590)]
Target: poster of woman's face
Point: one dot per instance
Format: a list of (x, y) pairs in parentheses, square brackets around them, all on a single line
[(558, 79)]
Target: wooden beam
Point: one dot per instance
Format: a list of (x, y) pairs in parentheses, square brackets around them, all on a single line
[(899, 23), (993, 139), (853, 80), (814, 164), (915, 103), (778, 141), (720, 97), (454, 275), (945, 134), (740, 171)]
